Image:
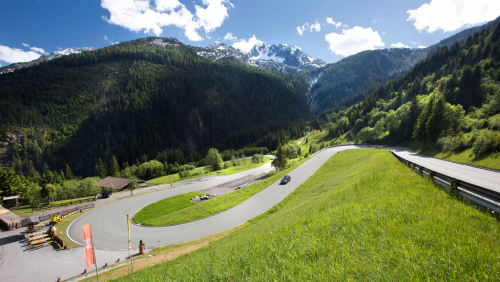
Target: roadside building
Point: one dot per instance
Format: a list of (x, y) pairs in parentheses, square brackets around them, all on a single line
[(114, 183), (9, 220)]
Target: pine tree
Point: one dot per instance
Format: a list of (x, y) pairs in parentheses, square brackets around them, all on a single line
[(67, 173), (280, 160), (113, 168), (100, 169)]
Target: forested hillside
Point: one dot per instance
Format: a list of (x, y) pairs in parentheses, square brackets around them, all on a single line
[(351, 80), (450, 100), (355, 77), (139, 98)]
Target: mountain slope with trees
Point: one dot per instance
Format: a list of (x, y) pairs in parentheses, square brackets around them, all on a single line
[(139, 98)]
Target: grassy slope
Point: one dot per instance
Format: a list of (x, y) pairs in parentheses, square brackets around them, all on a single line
[(362, 216), (201, 172), (164, 207)]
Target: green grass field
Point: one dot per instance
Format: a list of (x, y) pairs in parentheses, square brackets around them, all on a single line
[(362, 217), (246, 165), (164, 207)]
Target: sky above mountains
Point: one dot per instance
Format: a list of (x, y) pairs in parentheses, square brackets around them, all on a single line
[(326, 29)]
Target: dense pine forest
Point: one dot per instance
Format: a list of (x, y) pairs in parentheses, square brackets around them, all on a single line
[(139, 98)]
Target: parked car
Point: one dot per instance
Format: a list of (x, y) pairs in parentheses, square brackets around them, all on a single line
[(106, 194), (285, 179)]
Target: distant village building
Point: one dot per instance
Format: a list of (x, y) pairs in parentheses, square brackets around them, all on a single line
[(114, 183)]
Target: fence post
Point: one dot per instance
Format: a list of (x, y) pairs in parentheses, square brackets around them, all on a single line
[(432, 174)]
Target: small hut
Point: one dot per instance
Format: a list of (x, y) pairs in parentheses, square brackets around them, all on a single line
[(114, 183), (9, 220), (11, 201)]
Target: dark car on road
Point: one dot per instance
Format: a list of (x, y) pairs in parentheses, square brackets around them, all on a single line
[(285, 179), (106, 194)]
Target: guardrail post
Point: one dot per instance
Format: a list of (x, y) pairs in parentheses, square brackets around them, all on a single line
[(453, 186)]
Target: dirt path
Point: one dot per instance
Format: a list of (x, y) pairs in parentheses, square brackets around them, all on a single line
[(302, 139)]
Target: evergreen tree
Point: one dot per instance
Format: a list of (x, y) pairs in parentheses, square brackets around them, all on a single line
[(67, 173), (214, 160), (100, 169), (113, 168), (280, 159), (10, 184)]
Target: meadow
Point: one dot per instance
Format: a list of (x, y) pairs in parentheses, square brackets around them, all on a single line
[(362, 216)]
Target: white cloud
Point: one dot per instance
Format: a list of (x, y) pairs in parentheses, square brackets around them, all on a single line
[(309, 27), (450, 15), (38, 50), (354, 40), (109, 40), (245, 45), (421, 46), (229, 36), (399, 45), (14, 55), (141, 15), (336, 24), (413, 42)]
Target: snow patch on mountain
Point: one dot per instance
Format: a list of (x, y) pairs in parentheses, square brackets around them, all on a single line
[(44, 58), (281, 57)]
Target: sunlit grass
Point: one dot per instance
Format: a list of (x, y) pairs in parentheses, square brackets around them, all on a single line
[(362, 217), (164, 207)]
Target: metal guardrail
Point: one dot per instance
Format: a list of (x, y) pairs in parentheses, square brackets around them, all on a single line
[(478, 195)]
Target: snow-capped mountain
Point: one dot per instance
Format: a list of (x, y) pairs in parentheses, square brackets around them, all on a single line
[(281, 57), (56, 54), (217, 50)]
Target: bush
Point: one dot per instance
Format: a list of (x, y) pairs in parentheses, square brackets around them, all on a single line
[(483, 144), (257, 158)]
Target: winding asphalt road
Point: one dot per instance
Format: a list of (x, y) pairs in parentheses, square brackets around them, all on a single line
[(109, 224)]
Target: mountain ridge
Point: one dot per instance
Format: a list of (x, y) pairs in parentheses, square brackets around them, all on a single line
[(54, 55)]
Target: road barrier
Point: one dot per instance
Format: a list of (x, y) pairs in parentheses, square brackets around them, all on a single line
[(478, 195), (65, 212)]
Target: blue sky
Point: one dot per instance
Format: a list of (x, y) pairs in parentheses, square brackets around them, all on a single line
[(326, 29)]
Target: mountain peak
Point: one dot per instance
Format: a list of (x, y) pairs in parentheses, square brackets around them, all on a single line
[(280, 57)]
